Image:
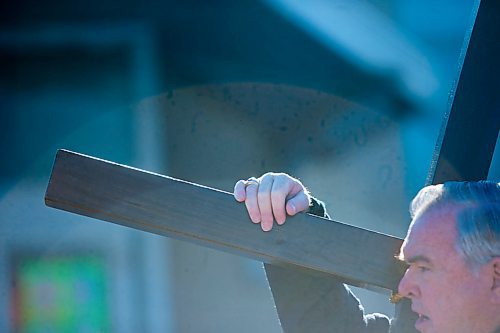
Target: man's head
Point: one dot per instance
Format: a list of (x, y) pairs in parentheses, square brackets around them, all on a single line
[(453, 248)]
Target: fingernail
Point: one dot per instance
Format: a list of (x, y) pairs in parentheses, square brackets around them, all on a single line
[(292, 209)]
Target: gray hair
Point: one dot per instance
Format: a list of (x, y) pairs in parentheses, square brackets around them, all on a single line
[(478, 216)]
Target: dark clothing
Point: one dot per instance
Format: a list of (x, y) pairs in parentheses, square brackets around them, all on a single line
[(319, 304), (344, 312)]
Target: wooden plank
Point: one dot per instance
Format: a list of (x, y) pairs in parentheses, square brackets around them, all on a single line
[(209, 217)]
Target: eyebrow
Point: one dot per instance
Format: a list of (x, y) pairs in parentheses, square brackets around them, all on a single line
[(419, 258)]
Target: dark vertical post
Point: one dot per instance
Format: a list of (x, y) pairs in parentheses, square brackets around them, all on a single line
[(467, 140)]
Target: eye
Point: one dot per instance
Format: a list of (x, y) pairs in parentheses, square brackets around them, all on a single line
[(423, 268)]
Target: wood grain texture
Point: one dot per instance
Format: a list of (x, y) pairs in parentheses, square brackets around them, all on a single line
[(209, 217)]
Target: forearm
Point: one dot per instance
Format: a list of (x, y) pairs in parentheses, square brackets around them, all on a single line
[(331, 298), (314, 303)]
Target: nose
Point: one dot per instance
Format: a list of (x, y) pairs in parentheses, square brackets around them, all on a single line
[(407, 286)]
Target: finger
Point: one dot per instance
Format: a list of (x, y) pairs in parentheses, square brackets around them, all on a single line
[(251, 201), (280, 190), (240, 192), (298, 203), (264, 202)]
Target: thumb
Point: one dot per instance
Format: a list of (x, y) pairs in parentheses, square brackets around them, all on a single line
[(298, 203)]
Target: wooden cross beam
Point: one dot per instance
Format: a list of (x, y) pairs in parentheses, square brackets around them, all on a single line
[(209, 217)]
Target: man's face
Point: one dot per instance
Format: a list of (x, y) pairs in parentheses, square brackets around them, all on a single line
[(445, 293)]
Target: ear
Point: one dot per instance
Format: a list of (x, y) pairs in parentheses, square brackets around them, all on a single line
[(495, 265)]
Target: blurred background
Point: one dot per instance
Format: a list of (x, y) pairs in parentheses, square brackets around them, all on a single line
[(346, 95)]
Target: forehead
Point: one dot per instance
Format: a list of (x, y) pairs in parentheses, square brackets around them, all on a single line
[(432, 234)]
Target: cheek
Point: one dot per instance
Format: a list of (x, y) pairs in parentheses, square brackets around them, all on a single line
[(446, 313), (450, 304), (439, 297)]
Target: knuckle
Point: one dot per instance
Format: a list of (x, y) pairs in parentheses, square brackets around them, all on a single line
[(250, 190), (264, 193), (267, 177), (282, 178)]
